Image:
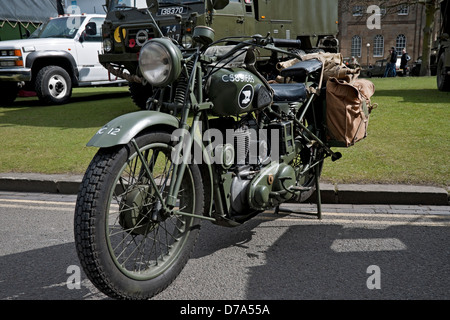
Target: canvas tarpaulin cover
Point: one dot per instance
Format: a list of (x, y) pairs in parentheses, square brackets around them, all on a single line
[(28, 10)]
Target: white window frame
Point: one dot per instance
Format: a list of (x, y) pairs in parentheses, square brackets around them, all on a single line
[(358, 11), (400, 43), (378, 45), (403, 10), (356, 47)]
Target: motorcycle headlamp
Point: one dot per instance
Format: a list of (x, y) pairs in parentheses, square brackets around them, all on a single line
[(160, 62)]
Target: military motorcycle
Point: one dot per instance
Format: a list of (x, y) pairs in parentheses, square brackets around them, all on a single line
[(217, 143)]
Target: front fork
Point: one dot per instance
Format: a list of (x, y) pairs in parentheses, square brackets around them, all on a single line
[(186, 140)]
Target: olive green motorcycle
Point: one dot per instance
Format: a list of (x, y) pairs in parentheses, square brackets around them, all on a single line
[(218, 143)]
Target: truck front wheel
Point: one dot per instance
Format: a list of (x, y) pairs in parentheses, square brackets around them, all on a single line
[(443, 78), (140, 94), (53, 85), (8, 93)]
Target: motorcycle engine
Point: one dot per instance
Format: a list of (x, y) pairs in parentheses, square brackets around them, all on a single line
[(247, 164)]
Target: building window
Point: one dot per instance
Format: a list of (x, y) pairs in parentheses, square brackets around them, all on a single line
[(403, 10), (356, 46), (378, 45), (400, 43), (358, 10)]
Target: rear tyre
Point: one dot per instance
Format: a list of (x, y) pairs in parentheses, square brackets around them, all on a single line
[(53, 85), (140, 94), (8, 93), (127, 247), (310, 158), (443, 78)]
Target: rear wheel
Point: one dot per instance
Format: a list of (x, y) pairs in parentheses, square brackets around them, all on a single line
[(53, 85), (309, 160), (140, 94), (127, 246), (443, 78), (8, 93)]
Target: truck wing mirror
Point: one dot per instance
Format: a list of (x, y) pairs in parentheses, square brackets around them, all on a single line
[(152, 6), (217, 4), (91, 29)]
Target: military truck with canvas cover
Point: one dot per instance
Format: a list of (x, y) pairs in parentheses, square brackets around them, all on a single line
[(443, 49), (61, 54), (129, 25)]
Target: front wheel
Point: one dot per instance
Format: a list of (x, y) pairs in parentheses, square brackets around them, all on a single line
[(53, 85), (140, 94), (8, 93), (443, 78), (126, 247)]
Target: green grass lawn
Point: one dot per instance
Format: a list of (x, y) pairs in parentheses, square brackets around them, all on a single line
[(52, 139), (408, 140)]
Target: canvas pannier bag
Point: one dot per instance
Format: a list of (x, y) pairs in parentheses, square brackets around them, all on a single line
[(333, 66), (348, 109)]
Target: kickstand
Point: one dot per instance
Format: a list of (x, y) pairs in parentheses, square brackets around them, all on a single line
[(318, 214)]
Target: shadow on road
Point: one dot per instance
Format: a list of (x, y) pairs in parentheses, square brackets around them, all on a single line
[(319, 261), (41, 274), (310, 260)]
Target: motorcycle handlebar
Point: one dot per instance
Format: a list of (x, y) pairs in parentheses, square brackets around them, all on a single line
[(288, 43)]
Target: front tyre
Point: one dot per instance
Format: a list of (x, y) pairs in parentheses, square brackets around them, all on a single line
[(8, 93), (443, 78), (140, 94), (126, 250), (53, 85)]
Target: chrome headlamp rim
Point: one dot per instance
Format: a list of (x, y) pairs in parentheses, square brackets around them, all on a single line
[(163, 56), (107, 45)]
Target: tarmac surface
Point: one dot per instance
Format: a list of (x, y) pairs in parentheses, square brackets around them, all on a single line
[(330, 193)]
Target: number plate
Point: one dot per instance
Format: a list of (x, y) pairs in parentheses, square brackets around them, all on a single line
[(171, 10), (172, 31)]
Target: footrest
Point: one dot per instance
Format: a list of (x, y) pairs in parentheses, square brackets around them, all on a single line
[(318, 202)]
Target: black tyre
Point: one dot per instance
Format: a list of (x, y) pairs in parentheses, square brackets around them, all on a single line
[(140, 94), (8, 93), (442, 77), (308, 180), (126, 250), (53, 85), (310, 158)]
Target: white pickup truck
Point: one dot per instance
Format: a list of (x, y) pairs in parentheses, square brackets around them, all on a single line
[(61, 54)]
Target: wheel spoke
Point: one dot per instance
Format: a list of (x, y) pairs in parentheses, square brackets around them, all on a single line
[(118, 212), (138, 243)]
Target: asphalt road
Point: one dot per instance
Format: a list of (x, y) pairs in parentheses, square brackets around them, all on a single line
[(354, 252)]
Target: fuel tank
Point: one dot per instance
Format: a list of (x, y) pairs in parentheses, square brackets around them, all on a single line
[(236, 90)]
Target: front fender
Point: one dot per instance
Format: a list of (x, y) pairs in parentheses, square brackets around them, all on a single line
[(124, 128)]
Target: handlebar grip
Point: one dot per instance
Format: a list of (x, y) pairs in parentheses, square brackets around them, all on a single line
[(288, 43)]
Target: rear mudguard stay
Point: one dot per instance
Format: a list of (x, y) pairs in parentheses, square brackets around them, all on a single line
[(123, 129)]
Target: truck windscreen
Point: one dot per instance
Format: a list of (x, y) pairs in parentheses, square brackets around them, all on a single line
[(142, 4), (65, 27)]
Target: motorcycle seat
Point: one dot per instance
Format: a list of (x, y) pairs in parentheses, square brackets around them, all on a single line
[(289, 92), (302, 68)]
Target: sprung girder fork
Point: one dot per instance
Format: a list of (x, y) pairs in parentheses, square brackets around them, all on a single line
[(166, 206)]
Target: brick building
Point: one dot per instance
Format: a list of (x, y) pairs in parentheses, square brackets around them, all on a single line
[(369, 36)]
